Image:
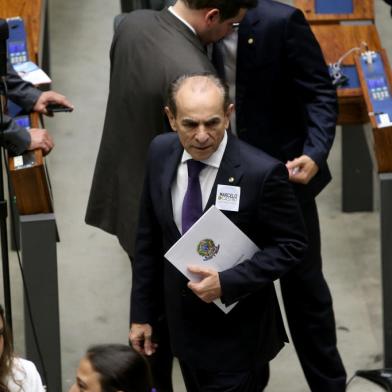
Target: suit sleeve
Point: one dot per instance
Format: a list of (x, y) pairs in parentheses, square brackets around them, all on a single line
[(282, 240), (13, 137), (147, 266), (313, 83), (21, 92)]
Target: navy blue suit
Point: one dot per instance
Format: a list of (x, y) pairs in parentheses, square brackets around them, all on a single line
[(286, 106), (201, 335)]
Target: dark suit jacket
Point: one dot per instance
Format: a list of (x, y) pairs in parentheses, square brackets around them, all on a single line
[(15, 138), (150, 49), (285, 102), (268, 213)]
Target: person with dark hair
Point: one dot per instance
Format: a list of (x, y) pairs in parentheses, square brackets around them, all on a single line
[(17, 139), (389, 2), (112, 368), (286, 106), (150, 49), (185, 168), (16, 374)]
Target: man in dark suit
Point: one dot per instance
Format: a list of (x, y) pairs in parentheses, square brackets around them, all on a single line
[(286, 106), (149, 50), (217, 351)]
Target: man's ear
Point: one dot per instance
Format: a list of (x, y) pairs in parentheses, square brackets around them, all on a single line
[(171, 118), (212, 16), (229, 111)]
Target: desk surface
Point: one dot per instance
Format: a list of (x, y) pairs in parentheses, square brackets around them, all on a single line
[(335, 40), (363, 10), (31, 12)]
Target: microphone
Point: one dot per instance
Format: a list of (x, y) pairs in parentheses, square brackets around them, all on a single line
[(4, 34)]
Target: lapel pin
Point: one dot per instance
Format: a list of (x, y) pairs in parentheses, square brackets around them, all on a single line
[(251, 41), (231, 180)]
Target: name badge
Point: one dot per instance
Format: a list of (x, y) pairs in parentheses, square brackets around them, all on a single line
[(228, 197)]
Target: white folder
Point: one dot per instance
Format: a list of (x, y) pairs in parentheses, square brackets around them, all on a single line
[(213, 241)]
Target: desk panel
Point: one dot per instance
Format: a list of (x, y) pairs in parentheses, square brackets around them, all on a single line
[(362, 10)]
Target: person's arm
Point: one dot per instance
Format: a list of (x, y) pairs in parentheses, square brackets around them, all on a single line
[(17, 139), (282, 240), (314, 87), (21, 92), (147, 271), (29, 97)]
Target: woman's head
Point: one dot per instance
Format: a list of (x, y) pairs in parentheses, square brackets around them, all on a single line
[(112, 368)]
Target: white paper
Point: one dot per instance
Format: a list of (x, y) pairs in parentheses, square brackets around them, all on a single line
[(384, 120), (30, 72), (225, 246)]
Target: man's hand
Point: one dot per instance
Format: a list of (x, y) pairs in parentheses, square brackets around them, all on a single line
[(40, 138), (209, 288), (48, 97), (302, 169), (140, 338)]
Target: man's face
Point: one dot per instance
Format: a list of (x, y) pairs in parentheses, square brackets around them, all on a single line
[(201, 120), (216, 29)]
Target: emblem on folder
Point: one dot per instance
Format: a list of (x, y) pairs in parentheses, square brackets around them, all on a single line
[(207, 249)]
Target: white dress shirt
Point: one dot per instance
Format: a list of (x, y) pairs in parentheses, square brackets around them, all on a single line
[(171, 9), (206, 177)]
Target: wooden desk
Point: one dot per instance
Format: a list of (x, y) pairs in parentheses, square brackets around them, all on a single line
[(31, 11), (335, 40), (363, 10)]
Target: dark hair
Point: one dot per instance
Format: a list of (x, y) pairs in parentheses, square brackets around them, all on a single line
[(177, 83), (7, 357), (120, 368), (227, 8)]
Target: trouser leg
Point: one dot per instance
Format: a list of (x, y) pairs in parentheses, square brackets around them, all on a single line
[(310, 315), (161, 362)]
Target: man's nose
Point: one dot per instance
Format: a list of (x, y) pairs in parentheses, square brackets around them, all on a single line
[(202, 136)]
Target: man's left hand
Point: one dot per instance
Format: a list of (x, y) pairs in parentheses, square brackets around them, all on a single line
[(302, 169), (209, 288), (48, 97)]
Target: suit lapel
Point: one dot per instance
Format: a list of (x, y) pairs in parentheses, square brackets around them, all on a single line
[(170, 170), (230, 171)]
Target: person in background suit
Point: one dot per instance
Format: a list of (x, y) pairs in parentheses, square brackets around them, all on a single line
[(17, 139), (217, 351), (286, 106), (149, 50), (389, 2)]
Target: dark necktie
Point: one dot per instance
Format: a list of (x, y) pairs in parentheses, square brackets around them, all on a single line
[(192, 207)]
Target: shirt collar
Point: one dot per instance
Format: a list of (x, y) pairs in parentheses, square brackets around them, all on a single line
[(171, 9), (215, 159)]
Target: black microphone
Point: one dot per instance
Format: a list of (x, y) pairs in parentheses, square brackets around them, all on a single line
[(4, 34)]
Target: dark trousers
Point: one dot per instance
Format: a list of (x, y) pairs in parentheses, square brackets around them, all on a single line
[(309, 311), (253, 380), (161, 362)]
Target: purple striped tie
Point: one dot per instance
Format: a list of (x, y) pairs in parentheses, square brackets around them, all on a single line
[(192, 208)]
